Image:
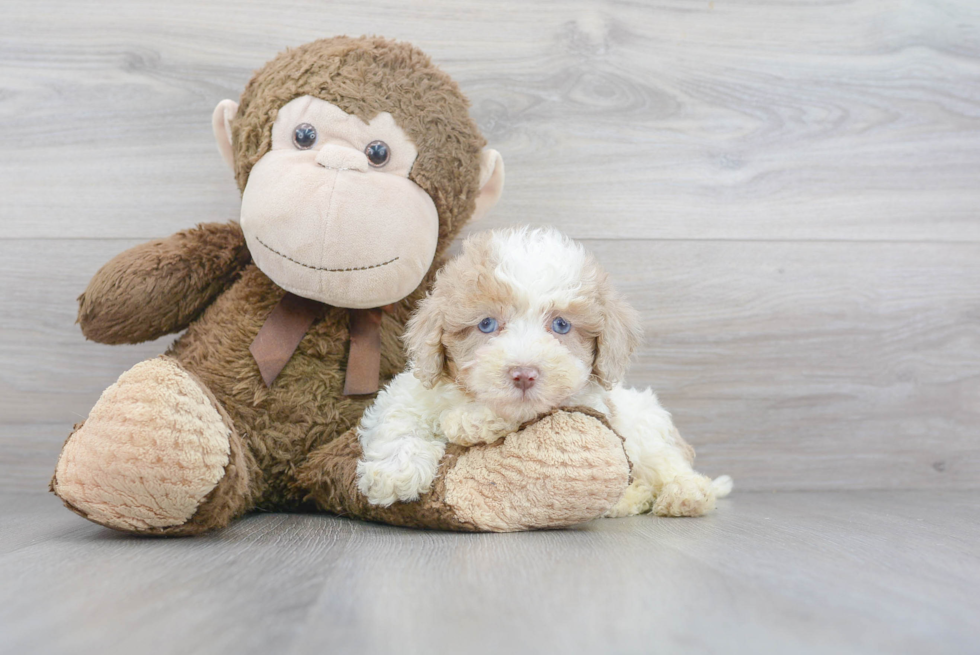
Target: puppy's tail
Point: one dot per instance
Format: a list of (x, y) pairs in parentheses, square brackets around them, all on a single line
[(722, 486)]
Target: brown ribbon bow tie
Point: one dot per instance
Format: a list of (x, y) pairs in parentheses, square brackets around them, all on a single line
[(288, 323)]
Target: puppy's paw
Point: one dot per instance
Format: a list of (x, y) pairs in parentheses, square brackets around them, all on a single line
[(474, 424), (638, 499), (402, 476), (686, 495)]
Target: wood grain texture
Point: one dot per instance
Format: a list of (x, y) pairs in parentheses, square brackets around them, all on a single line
[(764, 120), (815, 572), (787, 191), (784, 368)]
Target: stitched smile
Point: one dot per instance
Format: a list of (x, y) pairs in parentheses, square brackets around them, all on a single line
[(323, 268)]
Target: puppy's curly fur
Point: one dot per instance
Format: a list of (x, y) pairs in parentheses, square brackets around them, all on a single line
[(521, 322)]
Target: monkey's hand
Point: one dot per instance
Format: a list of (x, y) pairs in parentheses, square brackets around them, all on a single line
[(159, 287), (473, 423)]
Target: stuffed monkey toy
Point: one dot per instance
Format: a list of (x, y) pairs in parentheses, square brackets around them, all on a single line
[(358, 164)]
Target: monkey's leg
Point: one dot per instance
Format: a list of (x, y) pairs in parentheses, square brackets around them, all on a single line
[(156, 455), (566, 468)]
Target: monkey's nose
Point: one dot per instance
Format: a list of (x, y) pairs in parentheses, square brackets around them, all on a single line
[(524, 377), (341, 158)]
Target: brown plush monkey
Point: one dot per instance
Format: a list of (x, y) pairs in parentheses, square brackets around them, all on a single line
[(358, 165)]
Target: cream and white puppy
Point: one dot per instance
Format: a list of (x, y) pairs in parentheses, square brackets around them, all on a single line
[(521, 322)]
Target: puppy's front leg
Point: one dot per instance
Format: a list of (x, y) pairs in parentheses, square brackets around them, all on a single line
[(473, 423), (401, 451), (403, 471)]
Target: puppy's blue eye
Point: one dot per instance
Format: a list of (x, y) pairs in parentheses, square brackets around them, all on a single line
[(304, 136), (488, 325), (560, 326)]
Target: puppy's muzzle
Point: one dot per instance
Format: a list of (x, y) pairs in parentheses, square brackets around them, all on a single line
[(524, 377)]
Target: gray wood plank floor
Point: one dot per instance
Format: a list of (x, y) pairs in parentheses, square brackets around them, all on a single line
[(817, 572)]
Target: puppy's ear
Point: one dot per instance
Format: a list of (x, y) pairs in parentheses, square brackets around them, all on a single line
[(423, 340), (620, 336)]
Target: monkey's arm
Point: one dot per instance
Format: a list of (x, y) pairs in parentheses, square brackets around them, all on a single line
[(159, 287)]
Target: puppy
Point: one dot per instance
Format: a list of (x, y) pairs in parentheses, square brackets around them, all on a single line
[(521, 322)]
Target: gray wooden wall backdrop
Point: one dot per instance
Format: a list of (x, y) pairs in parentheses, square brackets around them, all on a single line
[(788, 191)]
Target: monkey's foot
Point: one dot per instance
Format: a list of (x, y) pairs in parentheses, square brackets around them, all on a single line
[(566, 468), (155, 456)]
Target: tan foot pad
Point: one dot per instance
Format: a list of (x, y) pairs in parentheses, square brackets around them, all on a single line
[(150, 451), (565, 469)]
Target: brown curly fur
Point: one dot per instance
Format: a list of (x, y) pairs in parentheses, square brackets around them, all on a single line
[(203, 280)]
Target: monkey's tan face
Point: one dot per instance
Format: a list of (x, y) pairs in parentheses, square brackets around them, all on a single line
[(329, 212)]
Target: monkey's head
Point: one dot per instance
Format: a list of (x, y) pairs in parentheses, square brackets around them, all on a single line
[(358, 163)]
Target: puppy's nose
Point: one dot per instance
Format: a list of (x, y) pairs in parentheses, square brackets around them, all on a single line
[(523, 377)]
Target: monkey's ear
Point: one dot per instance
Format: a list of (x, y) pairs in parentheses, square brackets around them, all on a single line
[(221, 124), (491, 182)]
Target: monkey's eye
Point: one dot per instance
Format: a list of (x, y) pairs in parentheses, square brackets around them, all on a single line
[(560, 326), (377, 153), (488, 325), (304, 136)]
